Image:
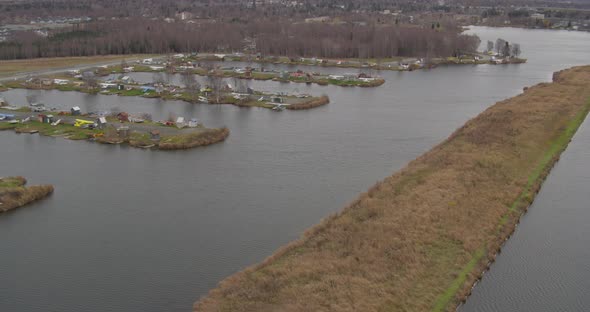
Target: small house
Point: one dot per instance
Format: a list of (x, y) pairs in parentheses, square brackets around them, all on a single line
[(180, 122), (101, 122), (120, 87), (75, 111), (193, 123), (49, 119), (41, 117)]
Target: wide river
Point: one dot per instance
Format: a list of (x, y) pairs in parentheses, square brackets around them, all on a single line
[(140, 230)]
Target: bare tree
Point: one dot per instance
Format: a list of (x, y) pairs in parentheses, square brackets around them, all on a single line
[(191, 84), (500, 44), (516, 50), (490, 46), (90, 80)]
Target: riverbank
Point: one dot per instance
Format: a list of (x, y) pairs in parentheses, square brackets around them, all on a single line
[(418, 240), (146, 134), (14, 193)]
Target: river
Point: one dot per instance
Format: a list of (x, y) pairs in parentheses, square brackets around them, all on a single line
[(141, 230)]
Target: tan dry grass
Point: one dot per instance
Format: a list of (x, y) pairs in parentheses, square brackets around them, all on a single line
[(14, 194), (312, 103), (195, 139), (402, 245), (12, 67)]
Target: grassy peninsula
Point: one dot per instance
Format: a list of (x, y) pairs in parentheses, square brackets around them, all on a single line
[(418, 240), (14, 193)]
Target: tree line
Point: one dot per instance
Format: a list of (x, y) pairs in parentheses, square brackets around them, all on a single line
[(268, 37)]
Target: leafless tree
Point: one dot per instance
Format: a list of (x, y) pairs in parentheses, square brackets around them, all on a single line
[(490, 46), (90, 80), (516, 50), (191, 84)]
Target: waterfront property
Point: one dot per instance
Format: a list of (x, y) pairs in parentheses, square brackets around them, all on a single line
[(418, 240), (114, 129)]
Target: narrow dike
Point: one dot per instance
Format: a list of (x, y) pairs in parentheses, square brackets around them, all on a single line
[(420, 239)]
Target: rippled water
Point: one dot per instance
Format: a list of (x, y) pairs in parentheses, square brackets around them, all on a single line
[(140, 230)]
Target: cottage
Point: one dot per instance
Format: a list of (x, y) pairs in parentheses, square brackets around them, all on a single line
[(101, 122), (180, 122), (75, 111)]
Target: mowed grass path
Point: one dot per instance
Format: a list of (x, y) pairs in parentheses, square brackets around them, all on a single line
[(418, 240)]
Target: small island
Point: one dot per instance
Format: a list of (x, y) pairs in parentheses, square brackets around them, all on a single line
[(215, 92), (14, 193), (113, 128)]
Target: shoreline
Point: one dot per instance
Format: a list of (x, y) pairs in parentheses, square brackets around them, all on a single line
[(14, 194), (421, 238)]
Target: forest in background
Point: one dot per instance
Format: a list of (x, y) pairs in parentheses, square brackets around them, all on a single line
[(264, 36)]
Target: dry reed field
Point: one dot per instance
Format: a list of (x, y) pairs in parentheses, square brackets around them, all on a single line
[(14, 193), (418, 240)]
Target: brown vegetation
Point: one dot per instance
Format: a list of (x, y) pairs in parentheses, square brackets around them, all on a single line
[(314, 102), (14, 194), (418, 240), (195, 139)]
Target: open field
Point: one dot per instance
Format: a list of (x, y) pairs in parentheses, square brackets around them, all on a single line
[(14, 193), (418, 240), (12, 67)]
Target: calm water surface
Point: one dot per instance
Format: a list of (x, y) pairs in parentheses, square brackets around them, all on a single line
[(140, 230)]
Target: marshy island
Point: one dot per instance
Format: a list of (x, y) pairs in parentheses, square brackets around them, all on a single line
[(14, 193), (420, 239)]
